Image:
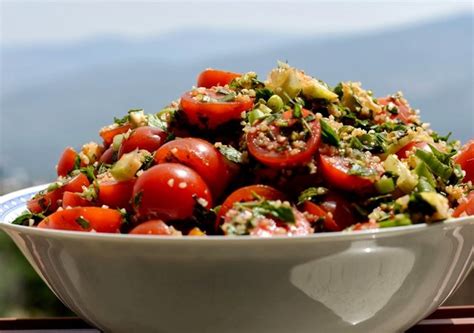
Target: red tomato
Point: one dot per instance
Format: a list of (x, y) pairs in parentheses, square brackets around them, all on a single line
[(152, 227), (466, 160), (365, 226), (67, 162), (280, 158), (406, 150), (466, 207), (50, 201), (340, 208), (116, 194), (316, 210), (405, 113), (146, 137), (336, 172), (108, 133), (170, 191), (84, 219), (202, 157), (212, 114), (108, 156), (214, 77), (71, 199), (248, 193)]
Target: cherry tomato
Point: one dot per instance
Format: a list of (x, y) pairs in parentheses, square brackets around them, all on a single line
[(146, 137), (274, 148), (84, 219), (248, 193), (116, 194), (72, 199), (365, 226), (409, 148), (214, 77), (67, 161), (340, 208), (108, 156), (108, 133), (466, 207), (466, 160), (50, 201), (336, 172), (170, 191), (152, 227), (202, 157), (405, 113), (212, 114), (316, 210)]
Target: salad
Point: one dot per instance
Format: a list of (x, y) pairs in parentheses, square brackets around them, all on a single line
[(239, 156)]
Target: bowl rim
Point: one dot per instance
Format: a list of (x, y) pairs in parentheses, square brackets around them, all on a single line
[(328, 236)]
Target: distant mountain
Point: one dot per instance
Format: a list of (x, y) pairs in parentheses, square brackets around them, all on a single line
[(74, 90)]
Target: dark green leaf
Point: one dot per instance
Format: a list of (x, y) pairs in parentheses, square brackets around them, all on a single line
[(83, 222), (328, 134), (26, 216), (311, 193)]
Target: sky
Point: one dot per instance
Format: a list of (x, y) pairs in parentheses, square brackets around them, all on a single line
[(36, 22)]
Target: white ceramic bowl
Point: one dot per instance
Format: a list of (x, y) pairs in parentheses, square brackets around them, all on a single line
[(369, 281)]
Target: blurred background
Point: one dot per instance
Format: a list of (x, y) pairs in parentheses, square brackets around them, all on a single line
[(67, 68)]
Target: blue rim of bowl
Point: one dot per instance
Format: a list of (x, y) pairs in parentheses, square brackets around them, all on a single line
[(14, 200)]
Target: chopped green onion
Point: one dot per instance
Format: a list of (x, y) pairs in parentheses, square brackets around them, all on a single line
[(435, 165), (254, 115), (275, 103), (424, 185), (297, 111), (398, 221), (385, 185)]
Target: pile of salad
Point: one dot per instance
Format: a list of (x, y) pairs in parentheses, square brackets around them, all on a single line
[(239, 156)]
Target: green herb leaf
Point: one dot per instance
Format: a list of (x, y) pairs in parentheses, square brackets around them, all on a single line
[(230, 153), (155, 121), (122, 121), (83, 222), (328, 134), (434, 164), (26, 216), (230, 97), (297, 111), (311, 193)]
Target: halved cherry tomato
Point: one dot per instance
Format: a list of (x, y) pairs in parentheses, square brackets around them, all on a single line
[(248, 193), (108, 156), (466, 160), (108, 133), (466, 207), (213, 114), (170, 191), (405, 151), (146, 137), (84, 219), (72, 199), (340, 208), (336, 172), (405, 114), (67, 162), (116, 194), (50, 201), (214, 77), (202, 157), (152, 227), (274, 148)]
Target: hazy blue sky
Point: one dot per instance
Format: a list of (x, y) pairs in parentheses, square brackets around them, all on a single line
[(26, 22)]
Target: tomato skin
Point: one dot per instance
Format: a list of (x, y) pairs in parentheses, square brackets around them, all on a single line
[(146, 137), (100, 219), (405, 151), (404, 112), (116, 194), (466, 160), (335, 171), (108, 134), (211, 115), (246, 193), (67, 161), (152, 227), (202, 157), (316, 210), (340, 208), (169, 191), (213, 77), (50, 200), (107, 156), (72, 199), (284, 159), (466, 207)]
